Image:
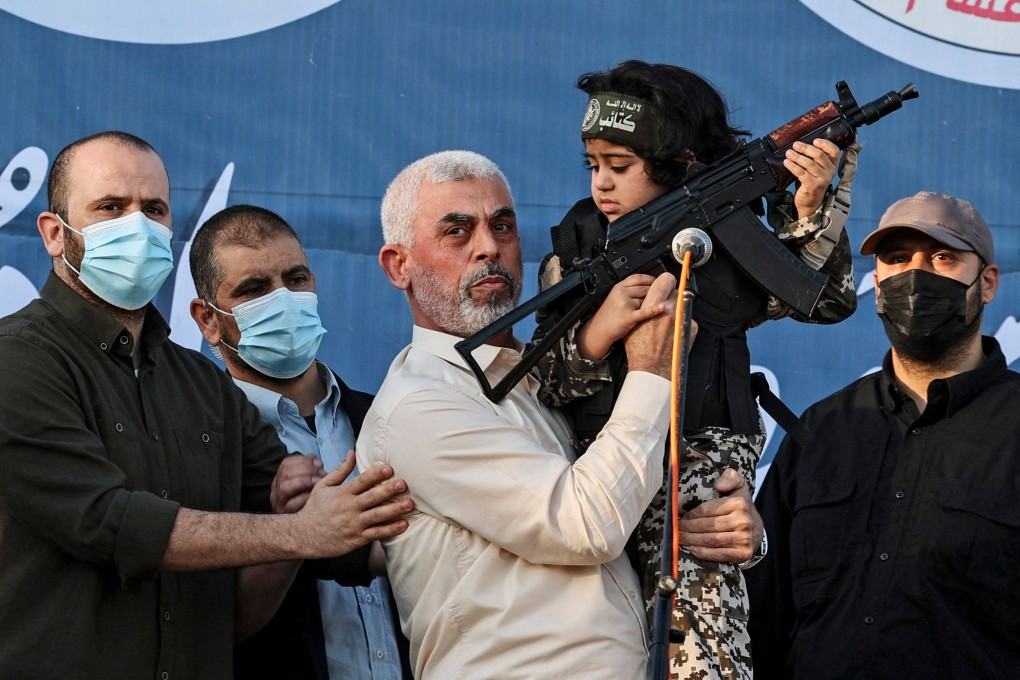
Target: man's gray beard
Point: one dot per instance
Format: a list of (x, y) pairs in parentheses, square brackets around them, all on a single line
[(459, 314)]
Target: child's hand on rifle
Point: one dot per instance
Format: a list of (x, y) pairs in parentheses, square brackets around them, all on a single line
[(620, 312), (814, 166)]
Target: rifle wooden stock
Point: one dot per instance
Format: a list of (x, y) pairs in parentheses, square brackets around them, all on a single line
[(716, 199)]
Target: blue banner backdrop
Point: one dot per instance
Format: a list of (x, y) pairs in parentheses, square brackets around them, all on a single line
[(310, 109)]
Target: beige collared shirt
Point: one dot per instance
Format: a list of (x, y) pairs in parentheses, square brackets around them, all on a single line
[(513, 563)]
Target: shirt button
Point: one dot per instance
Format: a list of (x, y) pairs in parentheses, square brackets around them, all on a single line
[(119, 427), (103, 346), (379, 653), (123, 339), (883, 556), (155, 436), (163, 493), (869, 620), (369, 598), (916, 430), (205, 438), (166, 616), (165, 676), (900, 494)]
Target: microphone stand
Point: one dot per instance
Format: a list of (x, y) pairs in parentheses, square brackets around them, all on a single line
[(692, 248)]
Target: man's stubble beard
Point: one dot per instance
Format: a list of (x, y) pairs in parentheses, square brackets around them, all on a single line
[(916, 359), (458, 313), (226, 353), (922, 359), (74, 252)]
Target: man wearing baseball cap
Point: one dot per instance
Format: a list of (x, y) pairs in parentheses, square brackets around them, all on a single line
[(895, 530)]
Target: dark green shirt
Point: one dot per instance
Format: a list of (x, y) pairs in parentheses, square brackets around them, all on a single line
[(94, 464)]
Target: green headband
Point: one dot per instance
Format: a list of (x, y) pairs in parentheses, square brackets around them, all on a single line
[(619, 118)]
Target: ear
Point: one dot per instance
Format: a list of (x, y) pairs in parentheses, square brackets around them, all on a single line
[(52, 232), (395, 261), (206, 321), (874, 277), (989, 283)]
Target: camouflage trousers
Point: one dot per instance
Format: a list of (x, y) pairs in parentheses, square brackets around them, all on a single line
[(711, 601)]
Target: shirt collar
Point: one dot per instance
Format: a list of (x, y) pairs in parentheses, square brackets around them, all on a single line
[(964, 388), (890, 395), (947, 396), (273, 407), (333, 393), (443, 346), (98, 327)]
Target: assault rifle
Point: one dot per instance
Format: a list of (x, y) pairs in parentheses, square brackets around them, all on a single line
[(717, 199)]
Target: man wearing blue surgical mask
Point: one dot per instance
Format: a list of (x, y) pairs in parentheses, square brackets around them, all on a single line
[(134, 475), (257, 309)]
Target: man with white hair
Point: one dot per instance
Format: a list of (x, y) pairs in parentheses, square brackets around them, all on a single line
[(513, 566)]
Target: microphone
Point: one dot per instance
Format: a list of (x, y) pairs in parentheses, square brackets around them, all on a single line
[(696, 242)]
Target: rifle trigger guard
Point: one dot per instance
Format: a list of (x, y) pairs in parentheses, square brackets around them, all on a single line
[(591, 282)]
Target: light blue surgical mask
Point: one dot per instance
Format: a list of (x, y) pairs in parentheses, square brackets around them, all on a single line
[(280, 332), (126, 259)]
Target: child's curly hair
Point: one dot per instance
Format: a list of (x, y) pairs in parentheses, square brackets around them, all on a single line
[(691, 118)]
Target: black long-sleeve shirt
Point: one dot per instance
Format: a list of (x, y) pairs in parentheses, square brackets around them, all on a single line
[(895, 536), (95, 462)]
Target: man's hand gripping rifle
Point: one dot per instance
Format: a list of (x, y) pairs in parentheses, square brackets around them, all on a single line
[(717, 199)]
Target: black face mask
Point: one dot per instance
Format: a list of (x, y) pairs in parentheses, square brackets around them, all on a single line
[(924, 314)]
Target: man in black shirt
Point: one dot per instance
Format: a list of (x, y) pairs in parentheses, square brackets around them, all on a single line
[(130, 467), (895, 532)]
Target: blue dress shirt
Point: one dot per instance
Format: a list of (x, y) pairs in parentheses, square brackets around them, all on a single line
[(356, 621)]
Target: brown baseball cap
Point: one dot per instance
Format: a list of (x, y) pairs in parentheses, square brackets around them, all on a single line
[(951, 221)]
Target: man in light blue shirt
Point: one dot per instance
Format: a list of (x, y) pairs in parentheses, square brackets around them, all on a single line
[(258, 311)]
